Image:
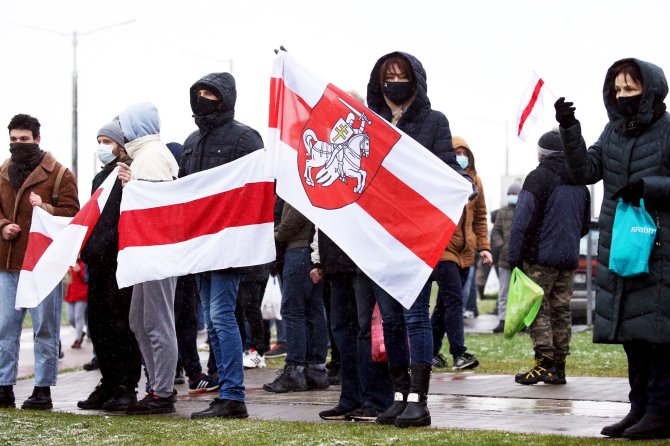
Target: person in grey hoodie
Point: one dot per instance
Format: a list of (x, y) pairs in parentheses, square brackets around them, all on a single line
[(152, 303)]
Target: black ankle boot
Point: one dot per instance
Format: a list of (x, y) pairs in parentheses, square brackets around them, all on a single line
[(649, 427), (616, 430), (416, 414), (7, 397), (39, 400), (400, 380)]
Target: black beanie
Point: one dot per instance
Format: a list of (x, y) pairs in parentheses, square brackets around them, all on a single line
[(550, 142)]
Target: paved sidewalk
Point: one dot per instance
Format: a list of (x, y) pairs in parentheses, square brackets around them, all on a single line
[(457, 400)]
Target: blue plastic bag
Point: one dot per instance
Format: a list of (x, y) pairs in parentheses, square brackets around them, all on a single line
[(633, 237)]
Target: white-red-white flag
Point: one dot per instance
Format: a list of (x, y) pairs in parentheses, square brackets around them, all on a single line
[(530, 107), (214, 219), (382, 197), (53, 246)]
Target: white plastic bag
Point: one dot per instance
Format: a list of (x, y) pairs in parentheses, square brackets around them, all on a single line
[(271, 304), (492, 285)]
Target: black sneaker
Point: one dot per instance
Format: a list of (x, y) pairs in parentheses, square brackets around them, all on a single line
[(439, 361), (317, 379), (289, 380), (203, 383), (152, 404), (39, 400), (542, 371), (334, 414), (7, 400), (500, 328), (122, 398), (465, 361), (223, 409), (96, 399), (277, 351), (91, 365), (362, 415)]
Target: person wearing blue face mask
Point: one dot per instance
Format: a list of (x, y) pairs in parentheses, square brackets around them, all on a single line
[(499, 244), (115, 346), (452, 270)]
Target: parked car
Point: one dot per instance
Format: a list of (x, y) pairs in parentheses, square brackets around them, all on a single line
[(580, 288)]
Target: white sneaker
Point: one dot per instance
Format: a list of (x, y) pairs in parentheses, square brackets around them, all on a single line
[(252, 360)]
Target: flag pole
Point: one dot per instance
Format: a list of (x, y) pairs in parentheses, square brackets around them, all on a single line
[(545, 85)]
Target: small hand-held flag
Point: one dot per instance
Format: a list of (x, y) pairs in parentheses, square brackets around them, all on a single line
[(531, 106)]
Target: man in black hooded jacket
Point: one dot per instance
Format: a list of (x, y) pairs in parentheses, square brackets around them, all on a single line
[(220, 139)]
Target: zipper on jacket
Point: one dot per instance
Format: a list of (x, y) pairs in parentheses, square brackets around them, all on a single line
[(658, 226)]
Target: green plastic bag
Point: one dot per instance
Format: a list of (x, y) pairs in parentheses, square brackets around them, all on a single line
[(523, 302)]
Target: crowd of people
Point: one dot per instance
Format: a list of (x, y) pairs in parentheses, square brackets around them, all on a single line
[(326, 299)]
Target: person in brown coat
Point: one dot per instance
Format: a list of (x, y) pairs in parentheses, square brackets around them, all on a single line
[(451, 272), (30, 177)]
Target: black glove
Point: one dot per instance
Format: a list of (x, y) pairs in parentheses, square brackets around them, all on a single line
[(565, 113), (631, 193)]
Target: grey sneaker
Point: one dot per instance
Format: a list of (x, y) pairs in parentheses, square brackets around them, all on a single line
[(465, 361)]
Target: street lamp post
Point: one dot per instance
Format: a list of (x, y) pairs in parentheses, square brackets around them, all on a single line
[(75, 115)]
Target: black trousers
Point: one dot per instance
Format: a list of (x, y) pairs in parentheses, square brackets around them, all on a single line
[(249, 298), (186, 324), (114, 343), (649, 377)]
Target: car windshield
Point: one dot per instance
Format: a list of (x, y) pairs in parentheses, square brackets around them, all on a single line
[(583, 243)]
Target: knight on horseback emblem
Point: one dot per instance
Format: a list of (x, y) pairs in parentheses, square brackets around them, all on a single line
[(341, 156)]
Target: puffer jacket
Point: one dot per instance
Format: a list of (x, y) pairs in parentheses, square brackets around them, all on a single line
[(631, 308), (15, 205), (219, 139), (471, 234), (552, 214)]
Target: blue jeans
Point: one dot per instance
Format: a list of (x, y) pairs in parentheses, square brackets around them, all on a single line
[(419, 328), (344, 327), (46, 333), (218, 293), (448, 313), (302, 311)]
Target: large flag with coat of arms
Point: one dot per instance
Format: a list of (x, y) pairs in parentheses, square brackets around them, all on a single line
[(382, 197)]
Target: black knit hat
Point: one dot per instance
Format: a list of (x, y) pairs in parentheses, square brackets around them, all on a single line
[(550, 142)]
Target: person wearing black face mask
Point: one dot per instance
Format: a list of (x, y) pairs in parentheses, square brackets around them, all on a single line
[(30, 178), (632, 157), (397, 91), (218, 140)]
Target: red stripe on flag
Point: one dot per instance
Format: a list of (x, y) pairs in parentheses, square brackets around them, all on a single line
[(531, 104), (408, 216), (289, 113), (88, 215), (248, 205), (37, 244)]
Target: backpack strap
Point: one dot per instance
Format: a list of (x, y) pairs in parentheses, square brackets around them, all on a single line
[(54, 193)]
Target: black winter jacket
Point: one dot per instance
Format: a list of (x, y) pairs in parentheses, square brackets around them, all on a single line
[(552, 214), (102, 246), (632, 308), (219, 139)]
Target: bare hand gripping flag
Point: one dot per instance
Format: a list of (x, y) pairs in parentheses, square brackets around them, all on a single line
[(214, 219), (53, 246), (382, 197)]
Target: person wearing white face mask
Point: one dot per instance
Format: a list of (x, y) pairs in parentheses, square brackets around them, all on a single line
[(115, 346), (499, 244)]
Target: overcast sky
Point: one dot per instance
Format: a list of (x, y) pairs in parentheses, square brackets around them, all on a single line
[(479, 55)]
